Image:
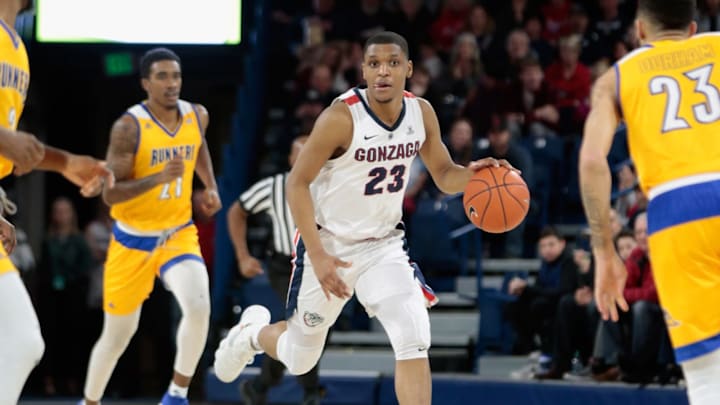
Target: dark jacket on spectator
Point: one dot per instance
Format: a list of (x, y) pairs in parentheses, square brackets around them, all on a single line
[(557, 278)]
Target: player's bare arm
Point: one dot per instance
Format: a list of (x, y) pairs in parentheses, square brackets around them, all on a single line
[(121, 158), (595, 184), (450, 177), (82, 170), (23, 149), (204, 168), (332, 133), (237, 228), (28, 153)]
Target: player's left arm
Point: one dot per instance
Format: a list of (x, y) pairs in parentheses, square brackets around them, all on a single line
[(595, 178), (84, 171), (450, 177), (595, 185), (204, 168)]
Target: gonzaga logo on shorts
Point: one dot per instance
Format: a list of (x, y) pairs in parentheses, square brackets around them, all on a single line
[(312, 319)]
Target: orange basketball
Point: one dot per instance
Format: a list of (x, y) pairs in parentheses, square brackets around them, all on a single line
[(496, 199)]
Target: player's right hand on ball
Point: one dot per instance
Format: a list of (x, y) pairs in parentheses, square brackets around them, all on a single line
[(172, 170), (325, 267), (24, 150), (490, 162)]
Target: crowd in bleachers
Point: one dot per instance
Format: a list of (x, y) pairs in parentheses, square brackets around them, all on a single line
[(521, 68)]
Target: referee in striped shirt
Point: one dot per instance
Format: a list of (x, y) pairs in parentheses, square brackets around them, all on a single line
[(268, 195)]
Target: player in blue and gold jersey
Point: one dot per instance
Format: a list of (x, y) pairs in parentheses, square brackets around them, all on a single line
[(21, 343), (155, 148), (668, 93)]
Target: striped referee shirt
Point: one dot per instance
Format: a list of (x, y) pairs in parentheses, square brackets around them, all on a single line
[(268, 195)]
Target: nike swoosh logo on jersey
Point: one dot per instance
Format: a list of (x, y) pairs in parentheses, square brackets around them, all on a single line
[(367, 138)]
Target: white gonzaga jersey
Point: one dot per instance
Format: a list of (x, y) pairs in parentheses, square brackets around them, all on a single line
[(359, 194)]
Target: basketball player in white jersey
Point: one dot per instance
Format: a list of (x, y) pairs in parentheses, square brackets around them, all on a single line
[(345, 193)]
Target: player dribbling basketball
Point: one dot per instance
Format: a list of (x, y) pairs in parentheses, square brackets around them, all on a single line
[(345, 192)]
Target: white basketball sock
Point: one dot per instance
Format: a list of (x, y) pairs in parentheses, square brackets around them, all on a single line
[(177, 391)]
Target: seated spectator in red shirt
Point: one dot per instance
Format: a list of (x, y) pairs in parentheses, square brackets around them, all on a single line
[(633, 344), (570, 81)]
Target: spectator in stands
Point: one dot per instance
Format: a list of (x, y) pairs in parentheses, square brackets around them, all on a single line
[(323, 24), (365, 20), (500, 144), (517, 49), (579, 25), (430, 59), (625, 243), (421, 85), (556, 15), (412, 21), (529, 103), (634, 355), (481, 106), (333, 56), (466, 68), (97, 235), (628, 195), (570, 81), (317, 96), (608, 28), (349, 69), (576, 322), (513, 16), (539, 45), (462, 75), (708, 18), (460, 142), (64, 268), (481, 25), (616, 223), (449, 24), (533, 312)]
